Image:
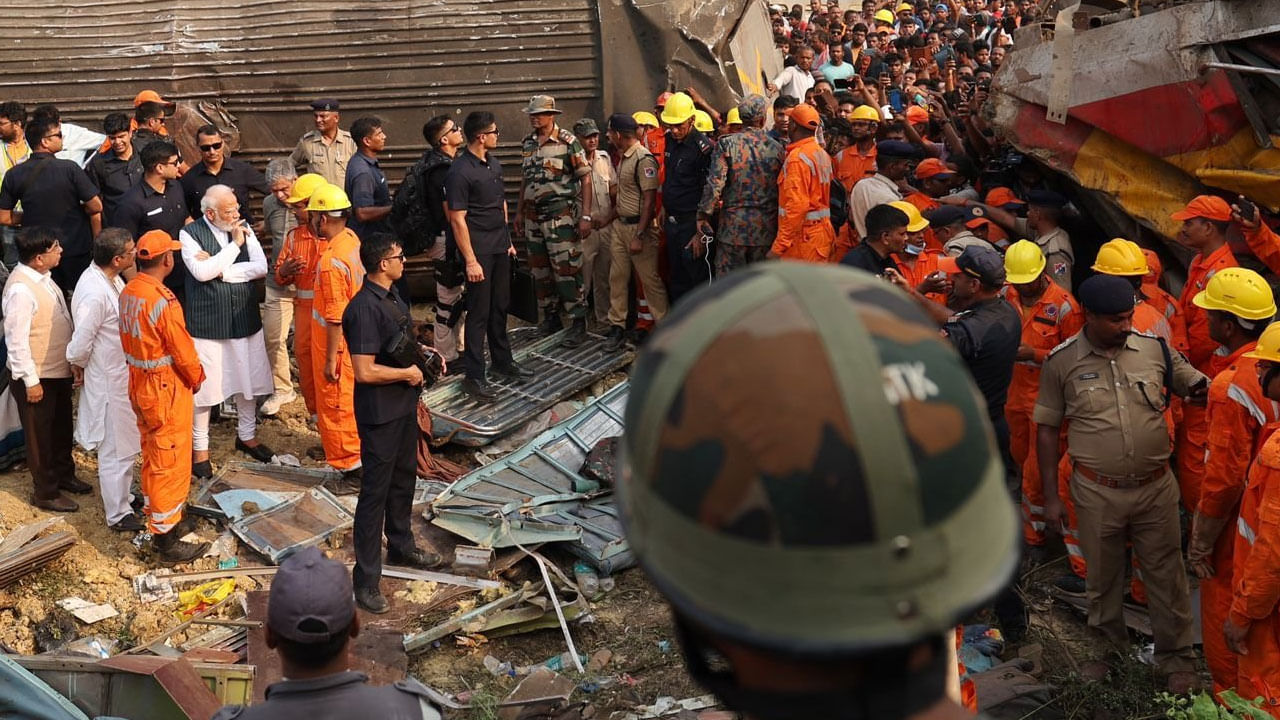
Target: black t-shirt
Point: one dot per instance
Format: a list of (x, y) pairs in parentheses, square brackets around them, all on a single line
[(372, 319), (865, 258), (475, 185), (987, 336), (239, 176), (52, 193), (113, 177), (142, 209)]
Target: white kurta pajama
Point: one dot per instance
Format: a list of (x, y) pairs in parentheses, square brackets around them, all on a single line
[(105, 419), (234, 367)]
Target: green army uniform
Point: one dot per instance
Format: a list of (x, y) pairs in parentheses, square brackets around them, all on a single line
[(1121, 484), (553, 172)]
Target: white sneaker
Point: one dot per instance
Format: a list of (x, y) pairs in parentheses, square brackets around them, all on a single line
[(271, 406)]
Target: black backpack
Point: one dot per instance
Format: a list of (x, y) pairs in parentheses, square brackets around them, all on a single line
[(410, 220)]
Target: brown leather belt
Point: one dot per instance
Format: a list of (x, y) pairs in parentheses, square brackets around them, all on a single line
[(1121, 481)]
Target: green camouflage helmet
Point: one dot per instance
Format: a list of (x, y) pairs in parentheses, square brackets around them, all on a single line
[(809, 468)]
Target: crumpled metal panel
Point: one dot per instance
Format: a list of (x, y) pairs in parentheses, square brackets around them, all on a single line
[(306, 520), (255, 476), (558, 373), (537, 493)]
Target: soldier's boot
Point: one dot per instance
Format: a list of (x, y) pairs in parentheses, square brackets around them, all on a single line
[(551, 323), (577, 334), (614, 339), (172, 550)]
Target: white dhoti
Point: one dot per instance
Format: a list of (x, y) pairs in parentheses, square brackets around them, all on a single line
[(120, 445), (234, 368)]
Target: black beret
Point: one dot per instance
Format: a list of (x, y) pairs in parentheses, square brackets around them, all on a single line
[(1106, 295)]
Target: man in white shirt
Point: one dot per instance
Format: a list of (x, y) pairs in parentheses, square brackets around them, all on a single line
[(37, 328), (595, 247), (795, 80), (104, 419), (223, 258), (893, 163)]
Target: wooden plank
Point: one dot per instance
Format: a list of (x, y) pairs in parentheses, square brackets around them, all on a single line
[(387, 570), (26, 534), (34, 555)]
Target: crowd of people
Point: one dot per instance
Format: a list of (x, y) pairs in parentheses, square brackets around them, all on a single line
[(1112, 408)]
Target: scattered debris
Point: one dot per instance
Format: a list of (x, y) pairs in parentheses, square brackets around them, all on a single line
[(668, 705), (417, 642), (308, 519), (255, 482), (29, 555), (540, 693), (87, 612), (26, 533), (204, 596), (468, 556)]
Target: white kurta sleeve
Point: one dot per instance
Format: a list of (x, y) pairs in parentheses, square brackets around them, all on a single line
[(19, 309), (89, 313), (208, 269), (255, 268)]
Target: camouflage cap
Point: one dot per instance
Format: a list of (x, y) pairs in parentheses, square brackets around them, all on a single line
[(752, 107), (586, 127), (539, 104), (780, 496)]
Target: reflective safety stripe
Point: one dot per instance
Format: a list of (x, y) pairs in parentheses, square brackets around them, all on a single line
[(148, 364), (156, 310), (306, 294), (315, 315), (814, 215), (1246, 532), (1237, 393), (1073, 549)]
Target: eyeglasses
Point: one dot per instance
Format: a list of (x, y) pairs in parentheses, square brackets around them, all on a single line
[(56, 247), (494, 131), (174, 161), (211, 146), (399, 257), (454, 129), (53, 135)]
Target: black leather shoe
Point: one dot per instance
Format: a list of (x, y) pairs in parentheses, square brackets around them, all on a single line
[(551, 324), (614, 339), (75, 485), (512, 372), (128, 523), (137, 503), (414, 557), (203, 470), (479, 389), (371, 599), (58, 504), (637, 337), (258, 452), (577, 334), (348, 483)]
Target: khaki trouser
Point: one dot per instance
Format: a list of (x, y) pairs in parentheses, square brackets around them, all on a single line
[(277, 316), (1148, 517), (645, 265), (597, 251)]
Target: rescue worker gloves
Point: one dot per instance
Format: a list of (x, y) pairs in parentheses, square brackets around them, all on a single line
[(328, 198), (678, 109), (787, 503), (1023, 262), (1120, 257), (304, 186), (1238, 291)]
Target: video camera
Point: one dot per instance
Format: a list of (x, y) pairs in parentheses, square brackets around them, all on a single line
[(405, 350)]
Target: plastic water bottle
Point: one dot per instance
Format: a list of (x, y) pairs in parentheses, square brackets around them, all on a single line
[(588, 581)]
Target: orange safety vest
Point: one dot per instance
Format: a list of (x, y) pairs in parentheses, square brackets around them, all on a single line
[(301, 244), (851, 165), (1256, 588), (154, 335)]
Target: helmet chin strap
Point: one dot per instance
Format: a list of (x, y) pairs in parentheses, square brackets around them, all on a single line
[(884, 693)]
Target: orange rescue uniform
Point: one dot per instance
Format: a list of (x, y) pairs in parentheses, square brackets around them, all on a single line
[(804, 204), (302, 244), (926, 204), (851, 165), (920, 267), (339, 274), (1050, 321), (164, 372), (1237, 413), (1257, 584)]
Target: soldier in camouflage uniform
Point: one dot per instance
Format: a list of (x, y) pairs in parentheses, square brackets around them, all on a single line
[(554, 214), (804, 520), (743, 185)]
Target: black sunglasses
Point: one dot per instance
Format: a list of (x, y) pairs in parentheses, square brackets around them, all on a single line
[(211, 146)]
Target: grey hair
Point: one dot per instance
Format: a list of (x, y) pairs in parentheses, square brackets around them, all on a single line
[(109, 244), (280, 169), (211, 196)]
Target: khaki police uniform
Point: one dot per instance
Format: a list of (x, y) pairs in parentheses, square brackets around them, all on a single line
[(1121, 484), (637, 173), (313, 155)]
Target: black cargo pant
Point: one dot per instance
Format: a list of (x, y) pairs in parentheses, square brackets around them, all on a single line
[(487, 303), (389, 458), (686, 272)]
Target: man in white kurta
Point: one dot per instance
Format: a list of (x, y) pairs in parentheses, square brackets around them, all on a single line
[(105, 419), (223, 258)]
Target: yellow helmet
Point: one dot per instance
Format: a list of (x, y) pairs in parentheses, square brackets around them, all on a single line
[(1268, 347), (915, 221), (328, 198), (906, 6), (885, 16), (865, 113), (1023, 262), (645, 118), (1238, 291), (679, 108), (1120, 257), (733, 117), (304, 186), (702, 121)]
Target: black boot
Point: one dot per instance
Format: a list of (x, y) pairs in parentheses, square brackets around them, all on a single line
[(577, 334), (551, 324), (614, 339), (172, 550)]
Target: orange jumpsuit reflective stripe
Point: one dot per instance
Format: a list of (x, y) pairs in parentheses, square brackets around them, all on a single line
[(1237, 413), (301, 244), (339, 274), (1256, 587), (1053, 318), (164, 371), (804, 204)]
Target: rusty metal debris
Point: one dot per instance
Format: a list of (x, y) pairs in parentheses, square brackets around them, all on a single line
[(22, 553), (308, 519), (267, 485)]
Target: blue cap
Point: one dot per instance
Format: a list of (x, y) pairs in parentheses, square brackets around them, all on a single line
[(946, 215), (311, 598), (1106, 295), (623, 122), (897, 150), (324, 104), (1046, 198)]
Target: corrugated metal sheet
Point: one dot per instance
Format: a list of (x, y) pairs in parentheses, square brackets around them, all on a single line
[(266, 60)]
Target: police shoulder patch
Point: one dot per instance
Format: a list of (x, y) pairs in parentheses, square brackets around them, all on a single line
[(566, 137), (704, 145), (1061, 345)]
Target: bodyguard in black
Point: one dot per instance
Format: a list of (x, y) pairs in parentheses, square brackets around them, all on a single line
[(477, 210), (215, 168), (386, 409), (157, 203), (116, 169), (687, 162)]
